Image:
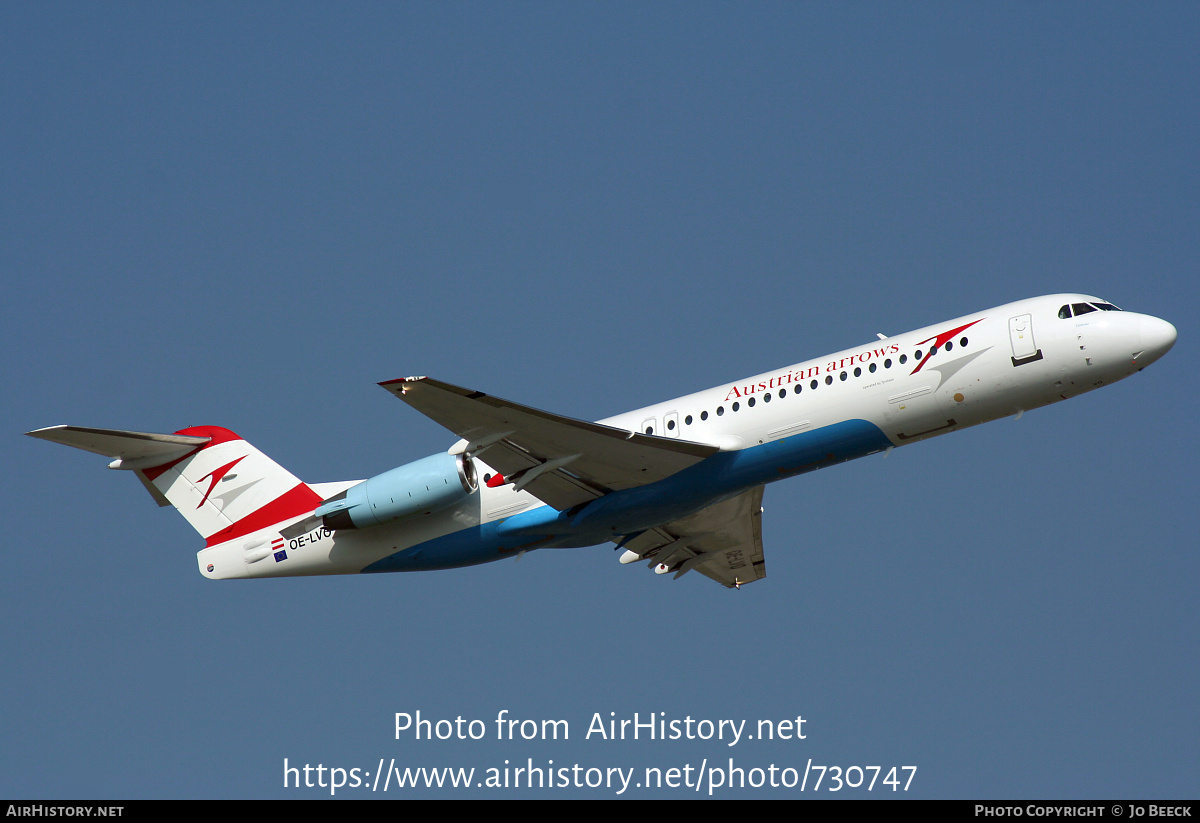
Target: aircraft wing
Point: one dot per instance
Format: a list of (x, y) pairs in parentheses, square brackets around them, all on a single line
[(561, 461), (723, 542)]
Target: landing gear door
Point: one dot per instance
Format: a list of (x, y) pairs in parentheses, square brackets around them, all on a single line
[(1020, 334)]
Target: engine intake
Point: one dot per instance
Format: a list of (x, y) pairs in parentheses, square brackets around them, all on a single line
[(420, 487)]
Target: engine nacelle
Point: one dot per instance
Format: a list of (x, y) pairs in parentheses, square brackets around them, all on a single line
[(420, 487)]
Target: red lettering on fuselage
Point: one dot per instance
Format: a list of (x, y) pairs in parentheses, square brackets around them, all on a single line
[(804, 373)]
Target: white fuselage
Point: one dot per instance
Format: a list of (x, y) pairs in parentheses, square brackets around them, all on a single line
[(896, 390)]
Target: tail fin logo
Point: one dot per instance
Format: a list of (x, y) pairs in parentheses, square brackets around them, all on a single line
[(216, 475)]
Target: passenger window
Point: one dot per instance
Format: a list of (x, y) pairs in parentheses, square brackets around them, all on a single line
[(872, 368), (857, 371), (704, 415), (767, 397), (783, 392), (798, 388), (735, 406), (829, 380), (813, 384), (749, 403)]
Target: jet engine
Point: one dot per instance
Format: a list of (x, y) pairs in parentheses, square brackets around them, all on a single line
[(420, 487)]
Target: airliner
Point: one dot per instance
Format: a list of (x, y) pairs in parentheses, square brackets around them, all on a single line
[(678, 485)]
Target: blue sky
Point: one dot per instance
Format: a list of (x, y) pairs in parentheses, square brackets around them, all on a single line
[(248, 214)]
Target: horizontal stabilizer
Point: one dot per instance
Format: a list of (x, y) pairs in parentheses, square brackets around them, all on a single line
[(223, 486), (145, 448)]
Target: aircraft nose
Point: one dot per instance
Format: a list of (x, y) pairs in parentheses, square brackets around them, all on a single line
[(1158, 336)]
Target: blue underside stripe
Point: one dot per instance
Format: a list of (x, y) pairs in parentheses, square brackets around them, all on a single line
[(720, 476)]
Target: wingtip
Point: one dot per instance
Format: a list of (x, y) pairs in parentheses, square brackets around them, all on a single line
[(41, 433)]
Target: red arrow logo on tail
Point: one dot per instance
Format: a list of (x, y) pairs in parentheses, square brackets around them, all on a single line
[(216, 475)]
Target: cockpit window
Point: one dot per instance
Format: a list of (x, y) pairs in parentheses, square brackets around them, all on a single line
[(1081, 308), (1064, 313), (1105, 306)]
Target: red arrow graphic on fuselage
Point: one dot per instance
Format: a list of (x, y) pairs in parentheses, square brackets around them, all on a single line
[(940, 341)]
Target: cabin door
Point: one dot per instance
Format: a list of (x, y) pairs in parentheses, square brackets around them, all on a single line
[(1020, 335)]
